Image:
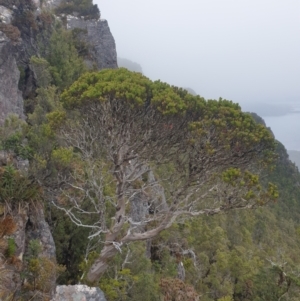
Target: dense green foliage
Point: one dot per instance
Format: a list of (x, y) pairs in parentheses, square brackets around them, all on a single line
[(11, 247), (236, 255), (12, 137), (234, 135), (233, 256)]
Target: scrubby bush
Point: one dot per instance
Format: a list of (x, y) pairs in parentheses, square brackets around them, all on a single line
[(7, 226), (65, 64), (11, 247), (15, 188), (12, 137), (40, 271)]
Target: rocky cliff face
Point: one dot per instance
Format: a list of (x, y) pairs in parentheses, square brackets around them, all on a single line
[(102, 47), (22, 226), (16, 49), (29, 228), (11, 100), (16, 53), (97, 35)]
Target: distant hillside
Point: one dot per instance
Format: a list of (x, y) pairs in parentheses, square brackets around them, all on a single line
[(133, 66), (190, 90), (130, 65), (294, 157)]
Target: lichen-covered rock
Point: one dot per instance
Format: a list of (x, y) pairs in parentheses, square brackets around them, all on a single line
[(11, 100), (5, 14), (102, 47), (78, 293)]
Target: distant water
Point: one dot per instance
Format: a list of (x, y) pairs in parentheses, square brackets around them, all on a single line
[(286, 128)]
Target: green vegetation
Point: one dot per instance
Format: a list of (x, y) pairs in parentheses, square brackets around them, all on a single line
[(144, 184), (12, 137), (225, 257), (65, 64), (11, 247), (15, 188), (40, 271)]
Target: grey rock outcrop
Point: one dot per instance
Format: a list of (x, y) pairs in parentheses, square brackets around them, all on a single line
[(143, 204), (11, 100), (38, 229), (5, 14), (78, 293), (102, 47), (32, 226), (29, 226)]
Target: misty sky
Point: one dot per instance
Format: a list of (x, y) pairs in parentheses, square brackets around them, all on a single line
[(238, 49), (247, 51)]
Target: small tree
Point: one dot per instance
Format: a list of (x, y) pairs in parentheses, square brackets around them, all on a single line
[(138, 155), (65, 64)]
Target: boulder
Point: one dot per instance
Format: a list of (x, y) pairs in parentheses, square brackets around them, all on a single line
[(78, 293), (5, 15)]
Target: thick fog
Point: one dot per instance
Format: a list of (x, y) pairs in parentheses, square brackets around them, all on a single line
[(245, 51)]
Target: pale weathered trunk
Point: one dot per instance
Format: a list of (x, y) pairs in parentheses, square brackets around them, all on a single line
[(111, 249), (101, 264)]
